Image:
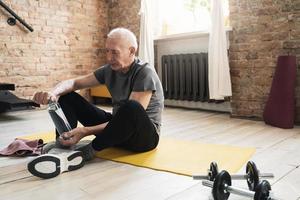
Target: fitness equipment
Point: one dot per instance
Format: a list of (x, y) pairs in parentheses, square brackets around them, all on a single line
[(252, 175), (59, 119), (280, 107), (221, 188), (211, 173), (9, 101)]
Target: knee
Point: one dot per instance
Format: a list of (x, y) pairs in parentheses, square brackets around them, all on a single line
[(132, 105), (67, 97)]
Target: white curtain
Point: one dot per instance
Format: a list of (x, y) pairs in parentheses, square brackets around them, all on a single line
[(146, 46), (218, 65)]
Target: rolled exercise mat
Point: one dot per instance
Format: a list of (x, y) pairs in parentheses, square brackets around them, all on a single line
[(280, 107)]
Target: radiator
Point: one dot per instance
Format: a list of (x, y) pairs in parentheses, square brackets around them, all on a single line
[(185, 77)]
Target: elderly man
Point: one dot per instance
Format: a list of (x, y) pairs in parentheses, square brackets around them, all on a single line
[(137, 98)]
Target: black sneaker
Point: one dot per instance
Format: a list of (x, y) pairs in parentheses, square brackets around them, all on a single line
[(55, 162)]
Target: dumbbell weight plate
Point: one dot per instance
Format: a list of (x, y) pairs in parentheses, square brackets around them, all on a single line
[(213, 171), (253, 176), (219, 191), (262, 191)]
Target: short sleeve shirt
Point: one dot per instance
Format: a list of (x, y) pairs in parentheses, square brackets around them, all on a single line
[(140, 77)]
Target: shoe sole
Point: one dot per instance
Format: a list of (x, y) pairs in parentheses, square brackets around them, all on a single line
[(51, 165)]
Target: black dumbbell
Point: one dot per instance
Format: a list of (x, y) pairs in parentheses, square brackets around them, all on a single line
[(252, 175), (221, 188), (211, 174)]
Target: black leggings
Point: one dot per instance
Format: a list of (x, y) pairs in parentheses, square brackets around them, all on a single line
[(130, 128)]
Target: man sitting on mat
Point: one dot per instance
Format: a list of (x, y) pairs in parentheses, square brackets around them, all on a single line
[(137, 98)]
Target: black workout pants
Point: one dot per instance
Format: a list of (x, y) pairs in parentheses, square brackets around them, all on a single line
[(129, 128)]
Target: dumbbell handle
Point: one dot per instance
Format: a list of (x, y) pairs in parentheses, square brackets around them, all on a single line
[(245, 176), (200, 177), (234, 190), (231, 189), (235, 176)]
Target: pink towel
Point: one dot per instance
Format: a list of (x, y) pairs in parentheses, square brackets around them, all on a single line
[(22, 147)]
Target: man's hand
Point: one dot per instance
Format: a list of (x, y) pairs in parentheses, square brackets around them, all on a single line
[(72, 137), (44, 97)]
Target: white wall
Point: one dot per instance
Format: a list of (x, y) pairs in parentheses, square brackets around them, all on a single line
[(196, 42)]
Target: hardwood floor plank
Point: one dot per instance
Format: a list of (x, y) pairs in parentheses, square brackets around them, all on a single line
[(278, 151), (288, 187)]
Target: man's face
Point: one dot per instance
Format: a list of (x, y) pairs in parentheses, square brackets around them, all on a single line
[(119, 54)]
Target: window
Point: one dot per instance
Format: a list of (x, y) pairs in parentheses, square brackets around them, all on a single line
[(182, 16)]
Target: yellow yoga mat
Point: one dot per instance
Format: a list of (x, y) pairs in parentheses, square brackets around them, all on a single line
[(176, 156)]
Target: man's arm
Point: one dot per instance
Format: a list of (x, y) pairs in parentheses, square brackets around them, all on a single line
[(75, 84), (65, 87), (142, 97)]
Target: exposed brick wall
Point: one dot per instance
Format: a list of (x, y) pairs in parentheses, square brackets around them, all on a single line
[(69, 37), (125, 13), (262, 30), (67, 41)]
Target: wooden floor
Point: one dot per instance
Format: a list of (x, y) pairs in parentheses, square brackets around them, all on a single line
[(278, 151)]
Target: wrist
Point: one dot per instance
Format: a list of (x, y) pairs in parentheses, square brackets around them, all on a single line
[(85, 131), (52, 96), (64, 87)]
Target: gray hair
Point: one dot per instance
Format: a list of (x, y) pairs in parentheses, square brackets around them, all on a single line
[(124, 33)]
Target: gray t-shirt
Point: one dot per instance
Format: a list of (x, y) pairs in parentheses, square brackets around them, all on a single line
[(140, 77)]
